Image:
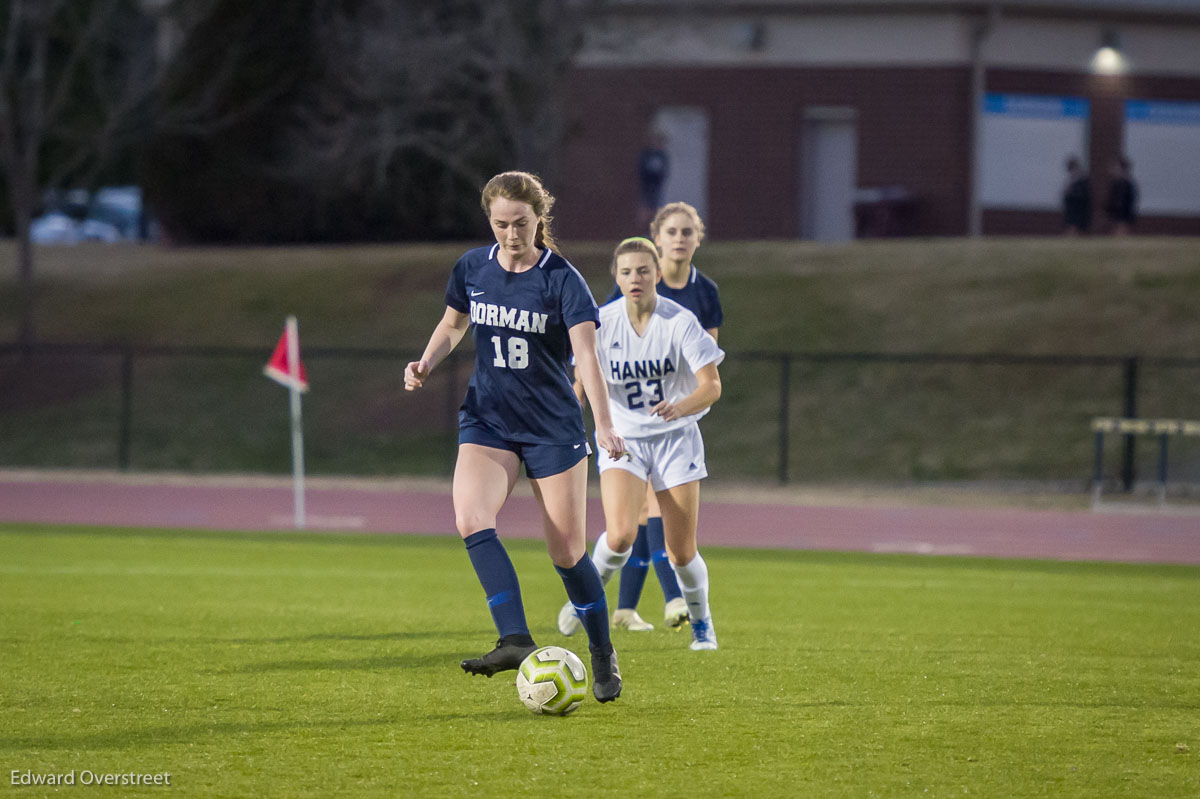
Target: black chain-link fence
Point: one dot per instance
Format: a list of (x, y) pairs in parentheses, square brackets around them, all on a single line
[(783, 417)]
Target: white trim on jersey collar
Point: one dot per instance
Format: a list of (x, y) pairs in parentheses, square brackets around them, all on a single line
[(540, 263), (695, 272)]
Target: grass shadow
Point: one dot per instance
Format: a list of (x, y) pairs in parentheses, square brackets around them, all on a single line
[(159, 735), (424, 660)]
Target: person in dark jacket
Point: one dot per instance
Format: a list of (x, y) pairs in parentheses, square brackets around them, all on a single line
[(1121, 203), (1077, 199)]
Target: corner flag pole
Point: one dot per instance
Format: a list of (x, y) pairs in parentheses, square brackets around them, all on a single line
[(286, 368), (293, 358)]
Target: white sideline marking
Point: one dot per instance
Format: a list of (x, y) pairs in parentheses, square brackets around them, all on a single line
[(922, 548), (323, 522)]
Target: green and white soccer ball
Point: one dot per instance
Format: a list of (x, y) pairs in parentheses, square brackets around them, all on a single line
[(552, 680)]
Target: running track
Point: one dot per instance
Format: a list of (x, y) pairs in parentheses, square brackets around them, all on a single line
[(261, 504)]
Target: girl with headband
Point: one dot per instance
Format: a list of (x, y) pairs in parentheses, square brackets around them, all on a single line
[(661, 369)]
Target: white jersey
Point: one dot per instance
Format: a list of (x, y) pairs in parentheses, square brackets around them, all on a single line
[(659, 364)]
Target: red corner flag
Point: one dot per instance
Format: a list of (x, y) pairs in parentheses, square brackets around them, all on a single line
[(285, 366)]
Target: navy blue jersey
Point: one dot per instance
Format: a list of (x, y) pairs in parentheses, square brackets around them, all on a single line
[(699, 296), (521, 389)]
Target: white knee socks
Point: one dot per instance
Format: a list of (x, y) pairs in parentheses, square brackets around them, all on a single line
[(608, 562), (693, 581)]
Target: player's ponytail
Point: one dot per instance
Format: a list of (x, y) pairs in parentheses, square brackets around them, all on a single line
[(525, 188)]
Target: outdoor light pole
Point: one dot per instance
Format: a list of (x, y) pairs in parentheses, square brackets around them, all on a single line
[(979, 34)]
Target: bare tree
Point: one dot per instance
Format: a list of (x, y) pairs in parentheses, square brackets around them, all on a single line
[(465, 85), (218, 37), (74, 76), (525, 48), (78, 80), (394, 84)]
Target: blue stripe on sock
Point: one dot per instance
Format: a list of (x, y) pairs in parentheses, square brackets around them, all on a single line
[(586, 592), (662, 564), (633, 573), (498, 580)]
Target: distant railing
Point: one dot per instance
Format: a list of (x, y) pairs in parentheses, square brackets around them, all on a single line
[(785, 365), (1129, 365), (1162, 429)]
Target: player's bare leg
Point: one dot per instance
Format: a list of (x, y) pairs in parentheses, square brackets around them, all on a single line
[(681, 510), (680, 507), (563, 498), (633, 580), (624, 497), (674, 607), (621, 493), (483, 479)]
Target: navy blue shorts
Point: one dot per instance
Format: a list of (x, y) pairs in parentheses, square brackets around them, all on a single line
[(541, 460)]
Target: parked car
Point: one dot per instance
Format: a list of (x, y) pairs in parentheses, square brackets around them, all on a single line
[(110, 214), (55, 227)]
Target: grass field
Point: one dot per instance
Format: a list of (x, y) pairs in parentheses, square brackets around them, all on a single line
[(320, 665)]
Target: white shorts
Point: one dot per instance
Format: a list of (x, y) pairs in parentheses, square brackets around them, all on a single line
[(665, 461)]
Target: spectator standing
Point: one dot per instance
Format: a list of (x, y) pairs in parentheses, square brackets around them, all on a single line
[(653, 167), (1121, 203), (1077, 199)]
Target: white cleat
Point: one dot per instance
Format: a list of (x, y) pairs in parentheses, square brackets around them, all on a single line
[(568, 620), (628, 619), (703, 634), (676, 613)]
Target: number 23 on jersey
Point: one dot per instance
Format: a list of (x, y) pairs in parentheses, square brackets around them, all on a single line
[(635, 398)]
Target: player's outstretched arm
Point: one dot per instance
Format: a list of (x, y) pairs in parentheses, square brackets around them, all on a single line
[(707, 392), (587, 372), (445, 338)]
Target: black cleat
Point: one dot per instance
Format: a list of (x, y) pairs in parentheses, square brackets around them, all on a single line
[(606, 675), (507, 656)]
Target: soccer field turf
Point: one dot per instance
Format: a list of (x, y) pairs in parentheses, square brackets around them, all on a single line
[(318, 664)]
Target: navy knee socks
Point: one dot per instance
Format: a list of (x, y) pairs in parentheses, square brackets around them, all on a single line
[(586, 593), (658, 556), (499, 580)]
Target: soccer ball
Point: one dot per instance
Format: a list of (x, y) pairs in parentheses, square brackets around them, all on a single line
[(552, 680)]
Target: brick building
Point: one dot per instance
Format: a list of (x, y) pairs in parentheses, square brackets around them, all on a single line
[(840, 118)]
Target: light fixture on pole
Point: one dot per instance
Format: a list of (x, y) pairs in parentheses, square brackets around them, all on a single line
[(1108, 58)]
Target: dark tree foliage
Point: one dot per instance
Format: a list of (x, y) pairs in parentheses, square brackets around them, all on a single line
[(223, 103), (75, 80), (356, 119), (223, 166)]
